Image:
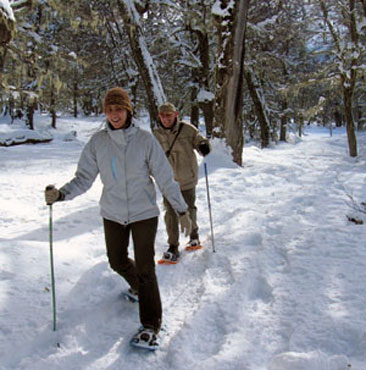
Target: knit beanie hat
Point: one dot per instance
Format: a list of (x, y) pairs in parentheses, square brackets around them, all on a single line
[(117, 96), (167, 108)]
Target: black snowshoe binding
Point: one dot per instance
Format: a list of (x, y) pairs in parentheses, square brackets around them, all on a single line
[(146, 339), (170, 257), (193, 245), (131, 295)]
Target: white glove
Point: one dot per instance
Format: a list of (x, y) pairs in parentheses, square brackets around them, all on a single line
[(185, 224)]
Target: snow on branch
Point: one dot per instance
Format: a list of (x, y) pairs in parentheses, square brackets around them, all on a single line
[(221, 10), (7, 23), (6, 10), (20, 4)]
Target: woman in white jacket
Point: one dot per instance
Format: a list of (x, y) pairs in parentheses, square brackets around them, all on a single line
[(126, 157)]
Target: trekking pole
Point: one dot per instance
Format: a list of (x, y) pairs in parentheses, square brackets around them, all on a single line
[(51, 262), (209, 206)]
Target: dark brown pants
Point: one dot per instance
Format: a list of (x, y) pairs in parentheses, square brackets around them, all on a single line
[(172, 221), (139, 274)]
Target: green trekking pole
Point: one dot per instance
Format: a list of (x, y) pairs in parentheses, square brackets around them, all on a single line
[(209, 207), (51, 262)]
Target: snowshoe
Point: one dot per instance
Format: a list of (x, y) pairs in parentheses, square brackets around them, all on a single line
[(131, 295), (145, 338), (193, 245), (170, 257)]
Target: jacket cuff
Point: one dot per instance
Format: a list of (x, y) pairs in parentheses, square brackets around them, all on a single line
[(61, 196)]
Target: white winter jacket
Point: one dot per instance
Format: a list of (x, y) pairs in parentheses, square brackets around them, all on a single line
[(126, 159)]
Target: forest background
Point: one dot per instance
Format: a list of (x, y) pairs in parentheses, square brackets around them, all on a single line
[(251, 70)]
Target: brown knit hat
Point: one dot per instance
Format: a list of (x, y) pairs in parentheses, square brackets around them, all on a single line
[(167, 108), (117, 96)]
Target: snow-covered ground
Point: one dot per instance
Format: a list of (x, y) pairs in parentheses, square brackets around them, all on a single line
[(285, 289)]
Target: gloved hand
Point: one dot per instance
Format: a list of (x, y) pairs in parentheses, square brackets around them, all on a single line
[(185, 224), (52, 195), (204, 148)]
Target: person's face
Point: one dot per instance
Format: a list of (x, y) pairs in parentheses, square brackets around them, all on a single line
[(116, 116), (168, 118)]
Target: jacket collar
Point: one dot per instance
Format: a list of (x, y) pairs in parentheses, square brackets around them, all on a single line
[(121, 136), (173, 130)]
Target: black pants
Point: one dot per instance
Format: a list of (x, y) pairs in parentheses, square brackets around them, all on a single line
[(139, 274)]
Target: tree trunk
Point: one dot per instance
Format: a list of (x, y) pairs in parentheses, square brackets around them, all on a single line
[(300, 124), (283, 128), (230, 73), (337, 117), (53, 118), (75, 98), (52, 108), (7, 27), (195, 114), (142, 57), (350, 125), (208, 114), (205, 102), (29, 116), (363, 2), (3, 51), (347, 70), (259, 109)]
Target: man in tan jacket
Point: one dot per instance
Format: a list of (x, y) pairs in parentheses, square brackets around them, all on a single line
[(179, 140)]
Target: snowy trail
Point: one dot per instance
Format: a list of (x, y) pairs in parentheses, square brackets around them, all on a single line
[(305, 281), (284, 291)]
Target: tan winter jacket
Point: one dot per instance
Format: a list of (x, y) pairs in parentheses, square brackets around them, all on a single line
[(182, 156)]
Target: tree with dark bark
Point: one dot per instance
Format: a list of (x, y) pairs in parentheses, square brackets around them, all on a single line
[(259, 108), (131, 13), (348, 55), (8, 27), (231, 26)]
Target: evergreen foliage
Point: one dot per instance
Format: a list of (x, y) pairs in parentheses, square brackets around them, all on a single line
[(302, 58)]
